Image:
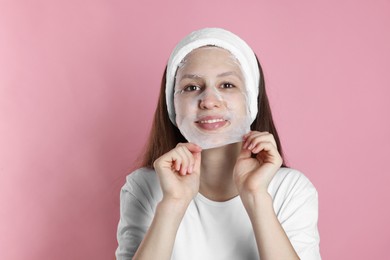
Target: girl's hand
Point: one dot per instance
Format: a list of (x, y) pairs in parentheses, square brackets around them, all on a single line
[(253, 175), (178, 171)]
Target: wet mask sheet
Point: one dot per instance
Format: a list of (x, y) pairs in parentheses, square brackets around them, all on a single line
[(212, 111)]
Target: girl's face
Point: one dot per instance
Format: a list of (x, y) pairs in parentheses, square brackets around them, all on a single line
[(210, 98)]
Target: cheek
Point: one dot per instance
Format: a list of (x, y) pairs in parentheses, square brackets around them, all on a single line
[(237, 104), (185, 106)]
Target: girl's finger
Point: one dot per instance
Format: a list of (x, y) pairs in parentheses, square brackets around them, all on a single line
[(271, 153), (183, 157), (244, 154), (194, 153), (253, 134), (189, 159), (258, 137), (193, 148), (263, 146), (184, 160), (189, 162), (176, 160)]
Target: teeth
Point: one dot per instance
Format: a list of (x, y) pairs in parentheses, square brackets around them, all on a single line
[(211, 121)]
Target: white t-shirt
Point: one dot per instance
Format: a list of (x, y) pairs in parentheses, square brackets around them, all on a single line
[(220, 230)]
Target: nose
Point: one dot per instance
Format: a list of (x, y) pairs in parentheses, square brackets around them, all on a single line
[(210, 99)]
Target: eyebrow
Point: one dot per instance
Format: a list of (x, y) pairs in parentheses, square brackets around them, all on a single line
[(224, 74), (191, 76), (229, 73)]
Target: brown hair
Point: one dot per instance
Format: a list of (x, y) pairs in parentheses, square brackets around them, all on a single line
[(164, 135)]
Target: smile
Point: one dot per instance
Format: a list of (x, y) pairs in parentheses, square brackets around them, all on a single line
[(211, 123)]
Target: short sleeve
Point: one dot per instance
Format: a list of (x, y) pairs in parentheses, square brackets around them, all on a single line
[(296, 205), (135, 218)]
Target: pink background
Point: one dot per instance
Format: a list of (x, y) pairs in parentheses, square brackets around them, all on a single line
[(78, 87)]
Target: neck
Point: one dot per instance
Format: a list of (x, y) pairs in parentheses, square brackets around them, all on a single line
[(216, 181)]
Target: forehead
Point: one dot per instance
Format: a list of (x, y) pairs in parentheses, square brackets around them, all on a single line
[(209, 58), (209, 50)]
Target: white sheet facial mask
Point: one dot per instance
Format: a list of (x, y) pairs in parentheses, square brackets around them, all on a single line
[(210, 98)]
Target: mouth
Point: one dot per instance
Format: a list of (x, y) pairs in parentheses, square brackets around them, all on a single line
[(211, 123)]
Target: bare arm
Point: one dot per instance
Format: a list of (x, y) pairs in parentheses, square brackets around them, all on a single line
[(178, 172), (159, 239), (272, 242), (252, 177)]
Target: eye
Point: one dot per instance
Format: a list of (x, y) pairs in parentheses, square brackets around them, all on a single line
[(191, 88), (227, 85)]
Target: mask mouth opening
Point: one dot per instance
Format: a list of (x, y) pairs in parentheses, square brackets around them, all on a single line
[(210, 121), (211, 131)]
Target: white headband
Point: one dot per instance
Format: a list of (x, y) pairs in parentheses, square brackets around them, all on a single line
[(220, 38)]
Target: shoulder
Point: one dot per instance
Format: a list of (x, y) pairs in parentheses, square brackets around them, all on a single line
[(291, 182), (143, 184), (295, 202), (141, 176)]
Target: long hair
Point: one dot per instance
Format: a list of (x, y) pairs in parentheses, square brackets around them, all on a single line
[(164, 135)]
